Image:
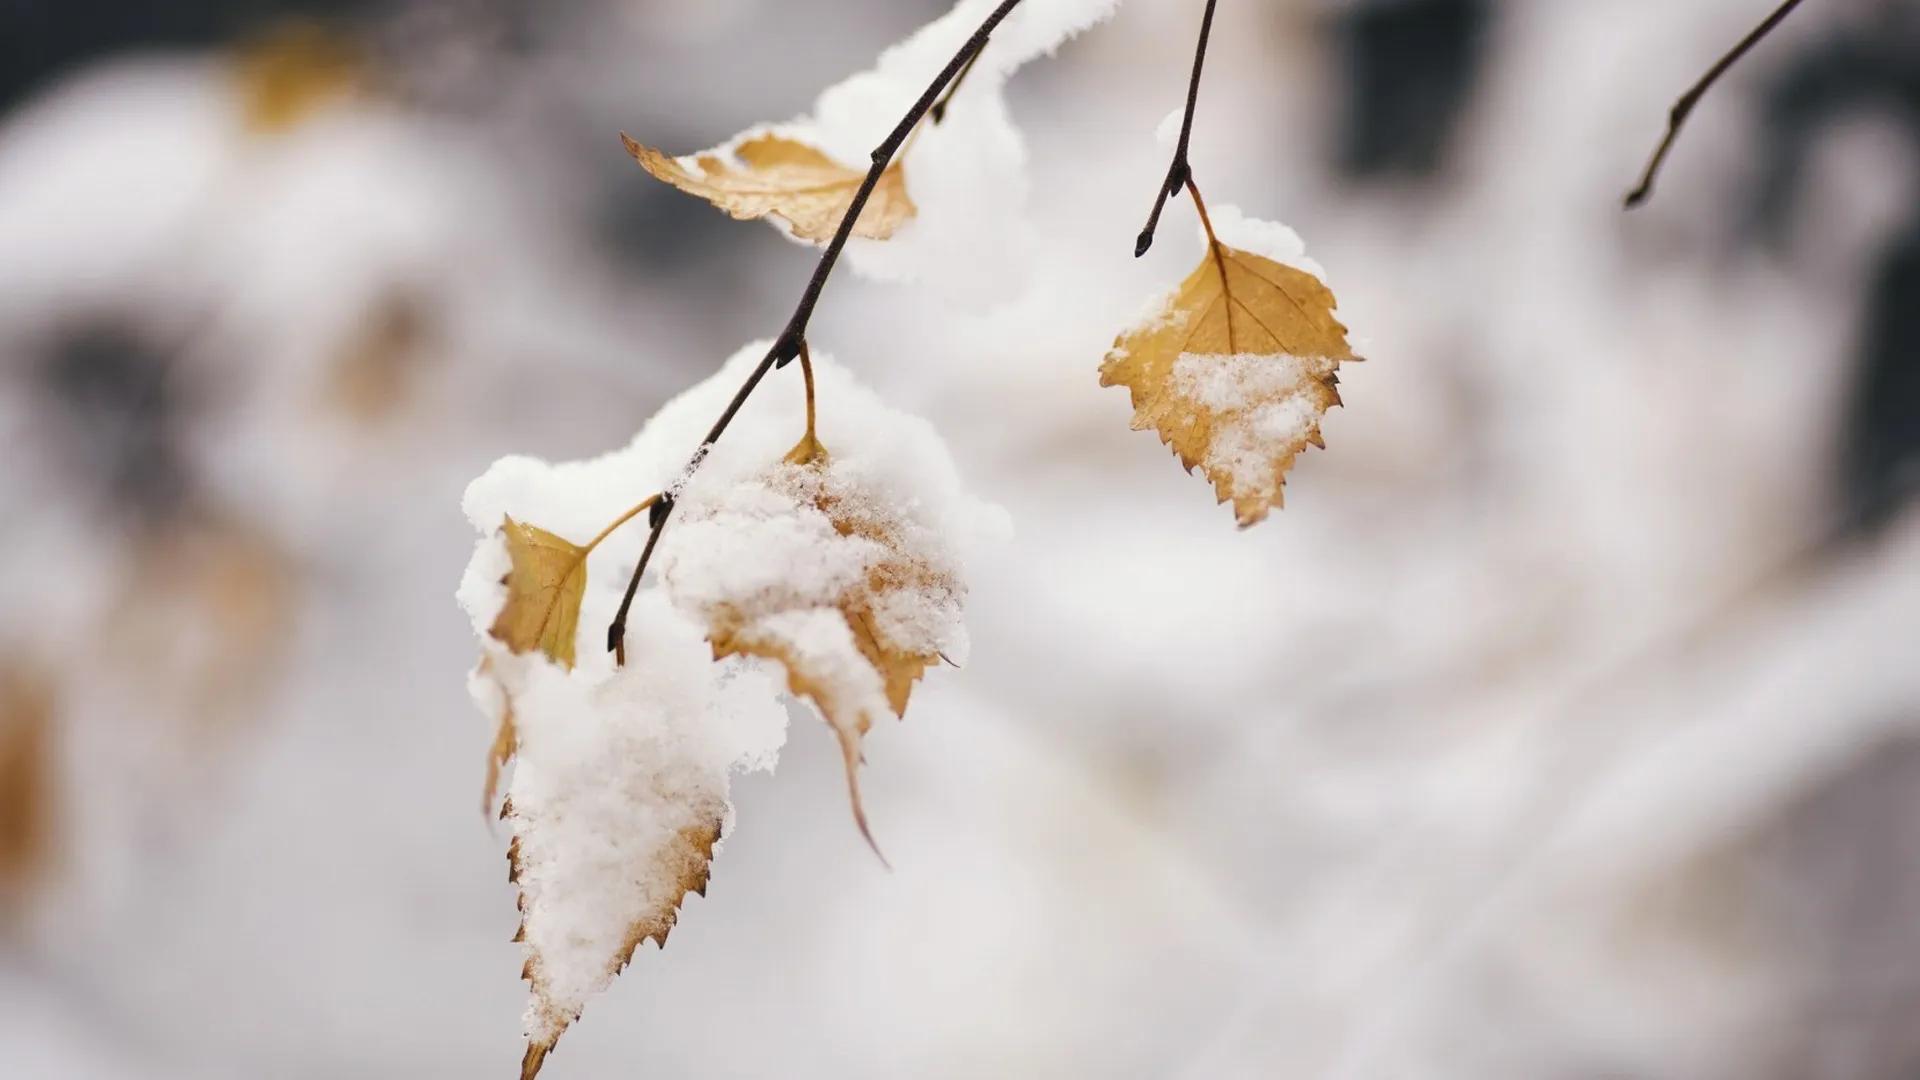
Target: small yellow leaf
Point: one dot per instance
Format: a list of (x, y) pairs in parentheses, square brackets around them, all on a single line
[(544, 589), (772, 175), (1236, 372)]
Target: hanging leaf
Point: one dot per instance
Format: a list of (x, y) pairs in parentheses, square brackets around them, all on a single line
[(544, 588), (771, 175), (1235, 371), (613, 826), (856, 624)]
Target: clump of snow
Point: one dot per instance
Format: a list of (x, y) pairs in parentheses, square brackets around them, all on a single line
[(966, 174), (618, 766), (1234, 383), (1266, 238), (1167, 132), (617, 789), (774, 556), (1262, 412)]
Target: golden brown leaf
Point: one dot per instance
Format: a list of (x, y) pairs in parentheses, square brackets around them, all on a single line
[(544, 588), (684, 863), (772, 175), (843, 697), (1235, 372)]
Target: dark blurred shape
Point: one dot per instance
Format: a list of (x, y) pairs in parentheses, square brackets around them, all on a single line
[(1881, 458), (41, 40), (1874, 66), (116, 414), (1410, 69)]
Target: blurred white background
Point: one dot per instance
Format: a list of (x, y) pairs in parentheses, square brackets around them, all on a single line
[(1565, 724)]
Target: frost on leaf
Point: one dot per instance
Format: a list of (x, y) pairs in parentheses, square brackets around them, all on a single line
[(1235, 371), (868, 601), (772, 175), (544, 589)]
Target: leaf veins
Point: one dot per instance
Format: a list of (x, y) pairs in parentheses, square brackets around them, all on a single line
[(1235, 372), (544, 588)]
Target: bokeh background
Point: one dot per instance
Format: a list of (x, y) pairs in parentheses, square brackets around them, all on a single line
[(1566, 723)]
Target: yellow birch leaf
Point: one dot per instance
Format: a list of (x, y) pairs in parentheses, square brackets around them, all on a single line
[(544, 589), (841, 657), (771, 175), (665, 873), (1235, 372)]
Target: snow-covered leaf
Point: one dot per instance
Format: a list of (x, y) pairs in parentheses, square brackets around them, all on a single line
[(767, 174), (1235, 370), (874, 601)]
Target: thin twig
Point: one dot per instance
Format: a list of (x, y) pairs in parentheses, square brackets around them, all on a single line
[(1178, 172), (787, 346), (1683, 108), (633, 512)]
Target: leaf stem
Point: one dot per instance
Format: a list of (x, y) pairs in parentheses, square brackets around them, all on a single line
[(1200, 205), (793, 336), (647, 504), (806, 372), (1683, 108), (1179, 173), (808, 450)]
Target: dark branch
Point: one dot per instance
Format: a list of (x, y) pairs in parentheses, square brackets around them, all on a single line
[(793, 336), (1683, 108), (1179, 171)]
